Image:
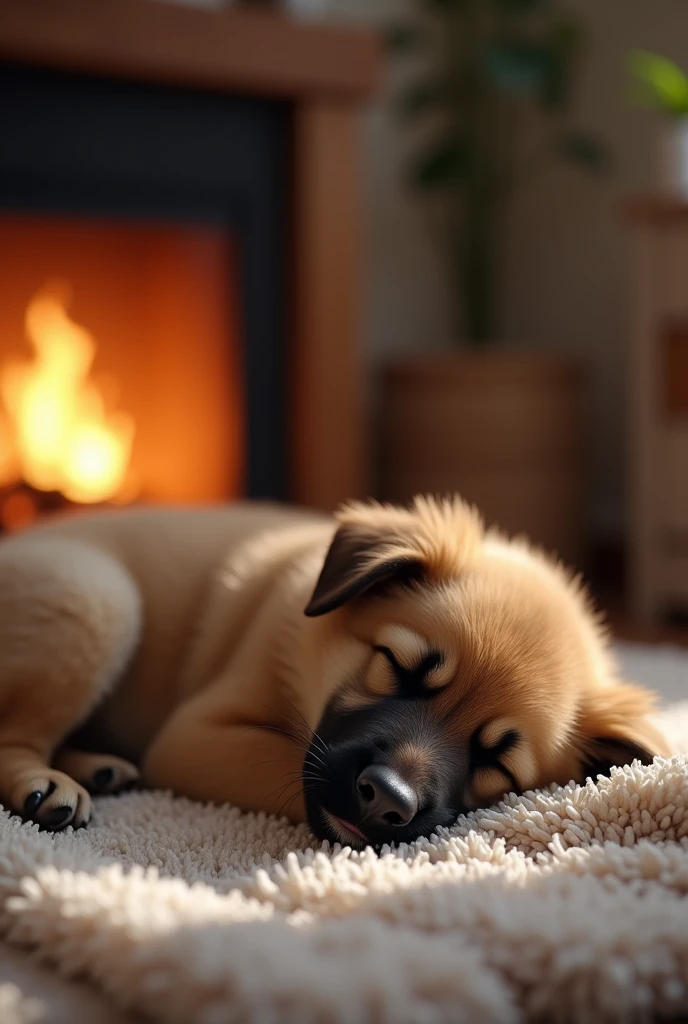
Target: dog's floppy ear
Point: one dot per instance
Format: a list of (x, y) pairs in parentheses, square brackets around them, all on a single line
[(377, 544), (357, 561), (604, 753), (616, 729)]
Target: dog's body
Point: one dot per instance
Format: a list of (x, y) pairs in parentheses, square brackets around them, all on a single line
[(441, 665)]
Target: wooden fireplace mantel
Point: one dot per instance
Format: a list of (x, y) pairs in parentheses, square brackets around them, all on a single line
[(325, 73), (244, 49)]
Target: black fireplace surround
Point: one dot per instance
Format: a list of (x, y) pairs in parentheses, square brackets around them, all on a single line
[(83, 145)]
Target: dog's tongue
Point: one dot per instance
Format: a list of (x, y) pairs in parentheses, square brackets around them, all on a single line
[(352, 828)]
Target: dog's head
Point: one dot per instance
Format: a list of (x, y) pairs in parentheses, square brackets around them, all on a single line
[(464, 667)]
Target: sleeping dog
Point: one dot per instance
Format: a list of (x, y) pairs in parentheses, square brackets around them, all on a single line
[(375, 675)]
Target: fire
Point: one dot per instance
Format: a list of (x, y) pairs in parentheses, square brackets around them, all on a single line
[(64, 437)]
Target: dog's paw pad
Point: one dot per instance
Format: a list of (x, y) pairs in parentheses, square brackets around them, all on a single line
[(99, 774)]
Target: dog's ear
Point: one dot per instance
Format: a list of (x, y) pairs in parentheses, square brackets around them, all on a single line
[(606, 752), (359, 560), (616, 729)]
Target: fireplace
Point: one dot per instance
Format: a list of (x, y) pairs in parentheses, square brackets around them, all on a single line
[(178, 285), (103, 398)]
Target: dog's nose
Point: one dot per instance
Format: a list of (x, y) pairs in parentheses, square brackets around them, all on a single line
[(385, 798)]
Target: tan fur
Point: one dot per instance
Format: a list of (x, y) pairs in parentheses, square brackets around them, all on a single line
[(176, 639)]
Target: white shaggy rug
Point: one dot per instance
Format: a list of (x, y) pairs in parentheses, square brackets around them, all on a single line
[(570, 905)]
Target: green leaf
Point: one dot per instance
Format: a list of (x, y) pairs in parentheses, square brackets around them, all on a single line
[(664, 84), (517, 67), (443, 165), (420, 97), (585, 150), (403, 38)]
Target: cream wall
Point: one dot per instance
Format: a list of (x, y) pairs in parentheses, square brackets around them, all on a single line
[(568, 283)]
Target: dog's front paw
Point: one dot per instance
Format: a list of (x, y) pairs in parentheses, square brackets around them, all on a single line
[(50, 798), (99, 774)]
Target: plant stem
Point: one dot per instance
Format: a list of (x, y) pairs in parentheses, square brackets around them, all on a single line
[(479, 276), (478, 228), (477, 206)]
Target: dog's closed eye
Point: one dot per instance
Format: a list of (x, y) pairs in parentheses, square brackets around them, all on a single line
[(497, 737), (417, 665), (417, 680), (491, 747)]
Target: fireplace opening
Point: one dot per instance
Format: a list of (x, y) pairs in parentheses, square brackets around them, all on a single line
[(121, 375)]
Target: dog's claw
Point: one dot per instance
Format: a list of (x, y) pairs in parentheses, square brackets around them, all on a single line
[(58, 817), (103, 778), (33, 802)]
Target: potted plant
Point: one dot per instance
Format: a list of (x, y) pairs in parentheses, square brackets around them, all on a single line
[(492, 92), (662, 85)]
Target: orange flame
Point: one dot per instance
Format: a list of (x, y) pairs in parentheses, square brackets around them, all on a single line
[(65, 438)]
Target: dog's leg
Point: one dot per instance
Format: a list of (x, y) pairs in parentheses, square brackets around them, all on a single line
[(69, 622), (211, 752), (97, 773)]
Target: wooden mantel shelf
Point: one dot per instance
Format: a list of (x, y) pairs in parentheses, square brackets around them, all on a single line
[(240, 49)]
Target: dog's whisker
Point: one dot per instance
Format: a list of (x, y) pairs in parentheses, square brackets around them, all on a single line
[(285, 810), (315, 749), (304, 734), (318, 744), (308, 781), (316, 754), (297, 711), (317, 757), (280, 790), (296, 779), (275, 729), (293, 767), (287, 802), (323, 745), (289, 806), (298, 735), (274, 760), (313, 734), (319, 750), (303, 775), (307, 775)]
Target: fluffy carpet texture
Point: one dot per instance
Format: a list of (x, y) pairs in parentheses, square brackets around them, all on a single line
[(567, 905)]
